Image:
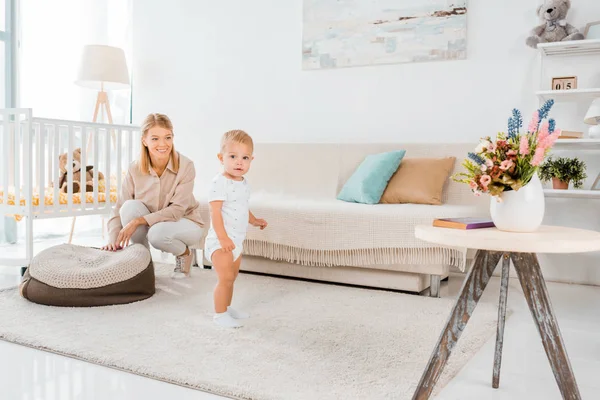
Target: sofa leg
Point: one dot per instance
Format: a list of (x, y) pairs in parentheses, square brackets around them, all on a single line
[(434, 288)]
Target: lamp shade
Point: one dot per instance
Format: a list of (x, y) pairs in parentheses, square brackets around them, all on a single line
[(103, 67), (592, 117)]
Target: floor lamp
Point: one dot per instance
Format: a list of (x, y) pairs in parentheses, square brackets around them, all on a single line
[(102, 68)]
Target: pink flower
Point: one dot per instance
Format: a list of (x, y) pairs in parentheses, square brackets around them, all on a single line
[(485, 181), (550, 139), (492, 147), (538, 157), (511, 153), (533, 125), (489, 163), (472, 185), (506, 164), (524, 146), (543, 133), (483, 167), (477, 193)]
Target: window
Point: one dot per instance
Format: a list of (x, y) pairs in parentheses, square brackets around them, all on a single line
[(7, 97), (52, 36)]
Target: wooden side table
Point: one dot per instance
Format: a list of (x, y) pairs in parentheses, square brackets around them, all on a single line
[(493, 245)]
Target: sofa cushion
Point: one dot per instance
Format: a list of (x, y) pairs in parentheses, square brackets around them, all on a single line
[(367, 183), (419, 181)]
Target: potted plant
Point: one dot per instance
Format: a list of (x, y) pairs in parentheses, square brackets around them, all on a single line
[(562, 171), (506, 168)]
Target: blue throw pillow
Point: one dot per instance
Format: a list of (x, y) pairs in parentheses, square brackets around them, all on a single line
[(368, 182)]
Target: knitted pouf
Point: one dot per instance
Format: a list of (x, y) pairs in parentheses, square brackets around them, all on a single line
[(76, 276)]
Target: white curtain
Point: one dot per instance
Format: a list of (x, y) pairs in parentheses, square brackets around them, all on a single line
[(53, 34)]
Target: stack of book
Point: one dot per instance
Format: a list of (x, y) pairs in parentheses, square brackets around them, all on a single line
[(570, 135), (464, 223)]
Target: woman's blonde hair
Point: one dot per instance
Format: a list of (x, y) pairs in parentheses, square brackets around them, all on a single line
[(150, 122)]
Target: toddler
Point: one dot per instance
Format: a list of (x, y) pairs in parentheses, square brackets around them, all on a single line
[(229, 218)]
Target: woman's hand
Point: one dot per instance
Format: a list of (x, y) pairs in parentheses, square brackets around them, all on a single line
[(260, 223), (111, 247), (227, 244), (128, 231)]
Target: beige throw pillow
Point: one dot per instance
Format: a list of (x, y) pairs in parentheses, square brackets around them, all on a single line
[(418, 181)]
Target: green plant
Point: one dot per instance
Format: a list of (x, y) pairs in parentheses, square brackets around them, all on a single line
[(564, 169)]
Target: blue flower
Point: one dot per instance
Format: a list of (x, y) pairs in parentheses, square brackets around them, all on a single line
[(551, 125), (518, 118), (511, 128), (545, 109), (476, 158)]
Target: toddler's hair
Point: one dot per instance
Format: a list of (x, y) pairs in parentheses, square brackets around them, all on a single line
[(236, 136)]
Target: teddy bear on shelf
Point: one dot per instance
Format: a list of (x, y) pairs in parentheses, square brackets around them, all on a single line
[(555, 27), (89, 171)]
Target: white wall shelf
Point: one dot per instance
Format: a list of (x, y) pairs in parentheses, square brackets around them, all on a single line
[(572, 193), (570, 48), (569, 95), (577, 144)]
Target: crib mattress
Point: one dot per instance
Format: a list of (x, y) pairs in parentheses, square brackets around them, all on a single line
[(63, 198)]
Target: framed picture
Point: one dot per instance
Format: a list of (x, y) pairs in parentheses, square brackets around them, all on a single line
[(596, 184), (564, 83), (592, 30)]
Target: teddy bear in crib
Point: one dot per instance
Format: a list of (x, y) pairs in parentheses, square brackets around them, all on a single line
[(90, 174), (555, 27)]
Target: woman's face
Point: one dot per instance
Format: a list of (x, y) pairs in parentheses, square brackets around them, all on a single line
[(159, 142)]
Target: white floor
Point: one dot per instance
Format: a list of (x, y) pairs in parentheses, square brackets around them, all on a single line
[(27, 374)]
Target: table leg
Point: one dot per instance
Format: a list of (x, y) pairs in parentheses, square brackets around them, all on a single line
[(472, 289), (536, 294), (501, 319)]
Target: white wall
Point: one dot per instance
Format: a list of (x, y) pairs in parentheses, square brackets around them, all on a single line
[(214, 66)]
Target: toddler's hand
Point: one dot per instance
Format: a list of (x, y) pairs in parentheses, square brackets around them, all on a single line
[(260, 223), (227, 244)]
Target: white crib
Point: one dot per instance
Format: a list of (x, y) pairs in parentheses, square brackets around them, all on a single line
[(29, 168)]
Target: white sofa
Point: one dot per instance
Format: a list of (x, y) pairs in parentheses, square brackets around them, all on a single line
[(312, 235)]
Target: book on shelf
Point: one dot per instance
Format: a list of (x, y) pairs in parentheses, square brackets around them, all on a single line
[(463, 223), (570, 135)]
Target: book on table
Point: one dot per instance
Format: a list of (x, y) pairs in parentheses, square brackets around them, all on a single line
[(464, 223)]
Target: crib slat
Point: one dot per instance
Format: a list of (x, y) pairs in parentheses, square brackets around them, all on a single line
[(107, 172), (49, 139), (28, 181), (70, 167), (55, 161), (96, 134), (129, 148), (17, 160), (5, 150), (42, 171), (83, 166), (119, 160)]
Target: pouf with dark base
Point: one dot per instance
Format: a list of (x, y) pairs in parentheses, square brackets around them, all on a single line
[(74, 276)]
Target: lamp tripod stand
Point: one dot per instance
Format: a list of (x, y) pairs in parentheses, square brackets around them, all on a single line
[(102, 105)]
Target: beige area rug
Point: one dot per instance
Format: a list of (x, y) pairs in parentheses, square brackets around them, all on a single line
[(304, 341)]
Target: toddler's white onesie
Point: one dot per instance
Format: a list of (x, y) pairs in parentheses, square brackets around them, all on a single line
[(235, 210)]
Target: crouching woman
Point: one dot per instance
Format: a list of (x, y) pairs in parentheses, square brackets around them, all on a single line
[(156, 204)]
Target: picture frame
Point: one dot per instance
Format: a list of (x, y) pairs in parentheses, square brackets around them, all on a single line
[(596, 184), (592, 30), (564, 83)]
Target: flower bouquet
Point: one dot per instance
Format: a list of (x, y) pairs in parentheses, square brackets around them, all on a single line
[(511, 160)]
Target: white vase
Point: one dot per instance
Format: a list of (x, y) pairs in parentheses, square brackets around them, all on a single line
[(520, 210)]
